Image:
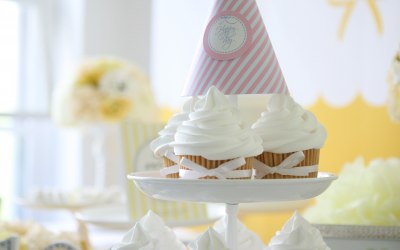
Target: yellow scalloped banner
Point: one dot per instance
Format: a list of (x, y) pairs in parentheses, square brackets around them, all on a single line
[(354, 130), (357, 129)]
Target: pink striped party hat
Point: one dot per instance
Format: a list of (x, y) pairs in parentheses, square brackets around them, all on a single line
[(236, 54)]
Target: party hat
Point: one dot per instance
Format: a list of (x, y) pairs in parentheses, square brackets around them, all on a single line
[(236, 54)]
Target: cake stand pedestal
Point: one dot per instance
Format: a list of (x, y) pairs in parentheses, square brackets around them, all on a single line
[(231, 192), (231, 233)]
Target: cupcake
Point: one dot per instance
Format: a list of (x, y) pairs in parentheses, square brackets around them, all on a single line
[(213, 143), (292, 138), (160, 146)]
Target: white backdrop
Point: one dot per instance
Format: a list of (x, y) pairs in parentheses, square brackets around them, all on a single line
[(304, 33)]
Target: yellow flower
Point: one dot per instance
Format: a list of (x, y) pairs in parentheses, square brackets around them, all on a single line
[(114, 109), (104, 90), (91, 72), (83, 104)]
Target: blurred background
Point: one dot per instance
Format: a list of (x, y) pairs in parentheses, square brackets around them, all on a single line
[(335, 54)]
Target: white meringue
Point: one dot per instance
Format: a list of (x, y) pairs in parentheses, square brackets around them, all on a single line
[(209, 240), (247, 240), (297, 234), (150, 233)]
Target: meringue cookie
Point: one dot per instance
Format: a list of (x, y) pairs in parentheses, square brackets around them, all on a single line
[(247, 240), (209, 240), (215, 131), (298, 234), (286, 127), (160, 145), (150, 233)]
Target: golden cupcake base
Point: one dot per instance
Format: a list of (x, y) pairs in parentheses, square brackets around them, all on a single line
[(274, 159), (169, 163), (212, 164)]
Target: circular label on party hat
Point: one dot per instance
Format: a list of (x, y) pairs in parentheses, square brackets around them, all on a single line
[(227, 36)]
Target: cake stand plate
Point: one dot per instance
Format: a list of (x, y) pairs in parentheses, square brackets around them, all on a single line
[(71, 206), (231, 191)]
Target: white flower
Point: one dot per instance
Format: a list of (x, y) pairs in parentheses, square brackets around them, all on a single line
[(119, 82), (394, 102), (393, 80), (362, 195), (75, 106), (34, 236), (394, 72)]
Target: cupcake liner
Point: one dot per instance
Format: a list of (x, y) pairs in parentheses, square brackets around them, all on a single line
[(211, 164), (311, 157), (169, 163)]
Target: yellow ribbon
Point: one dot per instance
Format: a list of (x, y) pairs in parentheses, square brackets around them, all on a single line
[(349, 6)]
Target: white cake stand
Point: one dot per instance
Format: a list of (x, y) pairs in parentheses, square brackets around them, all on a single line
[(231, 192)]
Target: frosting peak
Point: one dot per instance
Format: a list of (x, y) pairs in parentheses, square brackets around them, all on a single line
[(286, 127), (213, 101), (247, 240), (215, 131), (150, 233), (214, 238), (297, 234), (210, 240)]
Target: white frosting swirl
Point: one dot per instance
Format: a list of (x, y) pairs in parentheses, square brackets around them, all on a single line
[(246, 239), (297, 234), (286, 127), (160, 145), (150, 233), (215, 132), (210, 240)]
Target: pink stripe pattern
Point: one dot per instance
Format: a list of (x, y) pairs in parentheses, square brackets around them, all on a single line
[(255, 71)]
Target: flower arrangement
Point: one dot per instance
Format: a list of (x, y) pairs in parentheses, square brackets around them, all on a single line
[(105, 90), (394, 89), (33, 236), (362, 195)]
